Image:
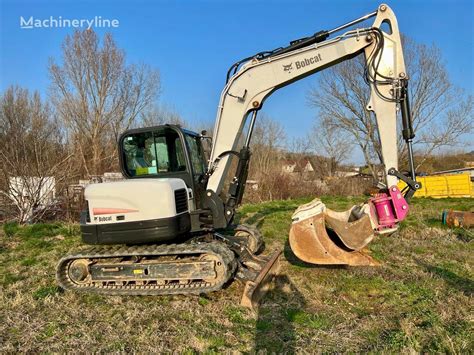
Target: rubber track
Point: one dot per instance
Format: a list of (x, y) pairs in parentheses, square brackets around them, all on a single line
[(214, 248)]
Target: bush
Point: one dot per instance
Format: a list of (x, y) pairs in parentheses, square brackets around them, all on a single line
[(283, 186), (10, 229), (351, 186)]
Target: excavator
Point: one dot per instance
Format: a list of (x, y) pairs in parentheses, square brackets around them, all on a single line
[(168, 228)]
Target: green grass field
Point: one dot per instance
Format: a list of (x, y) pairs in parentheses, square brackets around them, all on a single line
[(419, 299)]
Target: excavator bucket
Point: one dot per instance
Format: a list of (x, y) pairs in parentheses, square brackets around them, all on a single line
[(255, 289), (319, 235)]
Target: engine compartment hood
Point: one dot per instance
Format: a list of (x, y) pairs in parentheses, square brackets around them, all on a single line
[(133, 200)]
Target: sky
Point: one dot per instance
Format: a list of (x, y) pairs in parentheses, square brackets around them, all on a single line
[(193, 43)]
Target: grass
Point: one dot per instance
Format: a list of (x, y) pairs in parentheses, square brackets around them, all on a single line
[(419, 299)]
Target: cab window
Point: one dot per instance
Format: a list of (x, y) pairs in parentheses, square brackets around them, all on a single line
[(197, 154), (153, 153)]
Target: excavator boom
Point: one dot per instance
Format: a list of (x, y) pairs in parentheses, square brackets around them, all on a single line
[(319, 235)]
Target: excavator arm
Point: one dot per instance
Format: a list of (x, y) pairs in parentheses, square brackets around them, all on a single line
[(251, 81)]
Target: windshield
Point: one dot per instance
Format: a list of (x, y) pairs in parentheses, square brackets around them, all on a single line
[(153, 152)]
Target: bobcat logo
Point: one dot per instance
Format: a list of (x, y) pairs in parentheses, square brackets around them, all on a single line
[(288, 67)]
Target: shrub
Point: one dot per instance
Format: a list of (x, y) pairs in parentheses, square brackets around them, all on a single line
[(10, 229)]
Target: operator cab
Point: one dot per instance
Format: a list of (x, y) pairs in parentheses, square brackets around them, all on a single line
[(160, 152), (164, 167)]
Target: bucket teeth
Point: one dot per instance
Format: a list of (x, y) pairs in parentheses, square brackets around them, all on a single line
[(323, 238)]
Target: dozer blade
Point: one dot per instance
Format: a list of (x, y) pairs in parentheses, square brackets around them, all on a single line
[(321, 236), (255, 289)]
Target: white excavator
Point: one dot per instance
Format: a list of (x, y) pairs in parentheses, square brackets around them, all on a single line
[(168, 228)]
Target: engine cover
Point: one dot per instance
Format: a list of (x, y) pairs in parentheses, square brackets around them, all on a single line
[(135, 211)]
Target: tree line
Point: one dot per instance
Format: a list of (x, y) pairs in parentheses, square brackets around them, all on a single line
[(95, 94)]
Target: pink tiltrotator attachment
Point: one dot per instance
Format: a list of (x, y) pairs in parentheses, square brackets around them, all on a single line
[(389, 208)]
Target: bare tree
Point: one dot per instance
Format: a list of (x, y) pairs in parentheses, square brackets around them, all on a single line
[(159, 114), (98, 95), (300, 145), (268, 139), (442, 114), (204, 125), (34, 161), (330, 144)]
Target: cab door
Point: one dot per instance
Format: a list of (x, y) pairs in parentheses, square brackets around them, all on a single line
[(198, 164)]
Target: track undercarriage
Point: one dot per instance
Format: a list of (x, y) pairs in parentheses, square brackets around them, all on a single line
[(202, 264)]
